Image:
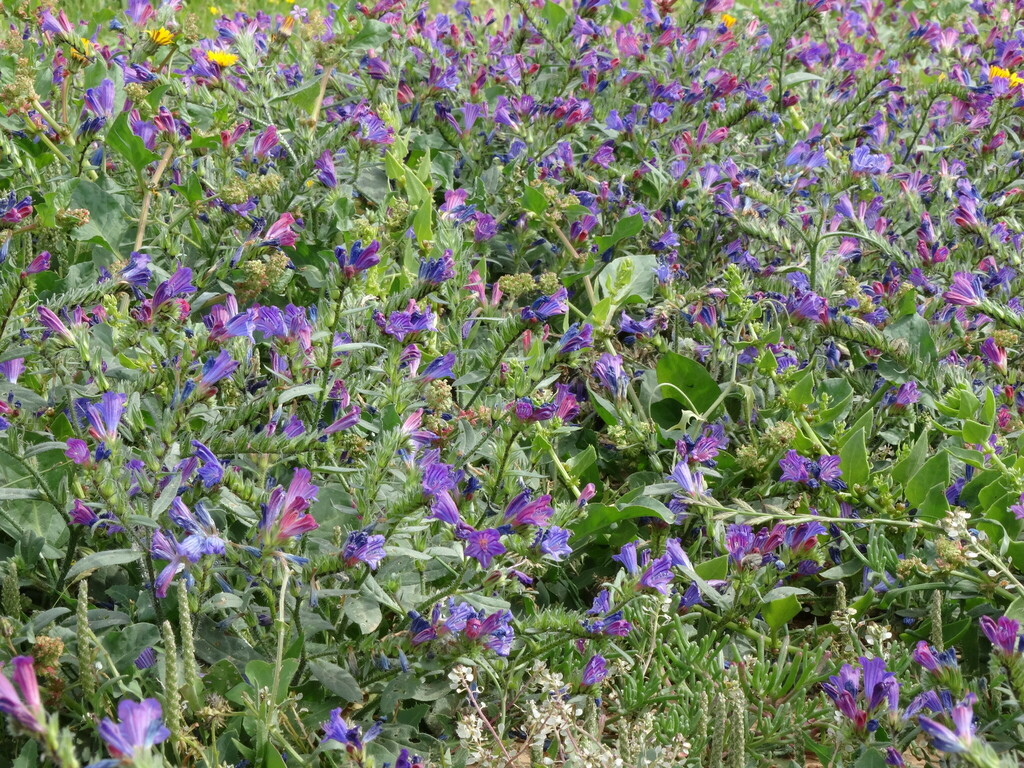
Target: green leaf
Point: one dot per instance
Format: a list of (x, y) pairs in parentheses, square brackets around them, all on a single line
[(690, 383), (363, 612), (716, 568), (373, 34), (554, 14), (534, 200), (600, 516), (934, 472), (422, 224), (778, 613), (853, 459), (104, 559), (627, 227), (107, 220), (802, 391), (905, 469), (975, 433), (373, 185), (336, 680), (795, 78), (129, 146), (915, 330), (260, 674), (870, 758)]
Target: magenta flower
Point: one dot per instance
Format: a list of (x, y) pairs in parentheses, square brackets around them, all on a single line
[(26, 708), (284, 514), (522, 511), (280, 234), (965, 290), (105, 417), (1004, 634), (54, 324)]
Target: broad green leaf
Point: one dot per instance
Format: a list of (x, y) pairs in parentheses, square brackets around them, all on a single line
[(129, 146), (104, 559), (778, 613), (336, 680), (853, 460), (691, 384)]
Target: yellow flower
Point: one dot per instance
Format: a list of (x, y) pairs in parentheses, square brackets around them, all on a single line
[(215, 11), (162, 36), (728, 20), (1013, 77), (221, 58), (83, 50)]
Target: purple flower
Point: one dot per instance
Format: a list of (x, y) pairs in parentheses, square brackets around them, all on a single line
[(179, 284), (482, 545), (25, 707), (77, 451), (137, 272), (658, 575), (146, 659), (336, 729), (164, 546), (959, 739), (280, 234), (284, 514), (965, 290), (797, 469), (203, 537), (361, 547), (794, 468), (595, 670), (610, 375), (443, 508), (553, 542), (12, 369), (212, 471), (141, 728), (1004, 634), (547, 307), (880, 688), (440, 368), (359, 259), (903, 396), (1017, 509), (995, 354), (692, 483), (265, 142), (524, 511), (53, 323), (215, 369), (106, 417), (486, 227), (325, 170), (576, 338), (862, 161), (437, 271), (40, 263), (628, 557)]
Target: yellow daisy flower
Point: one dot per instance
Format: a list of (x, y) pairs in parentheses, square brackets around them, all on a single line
[(215, 11), (162, 36), (728, 20), (221, 58)]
